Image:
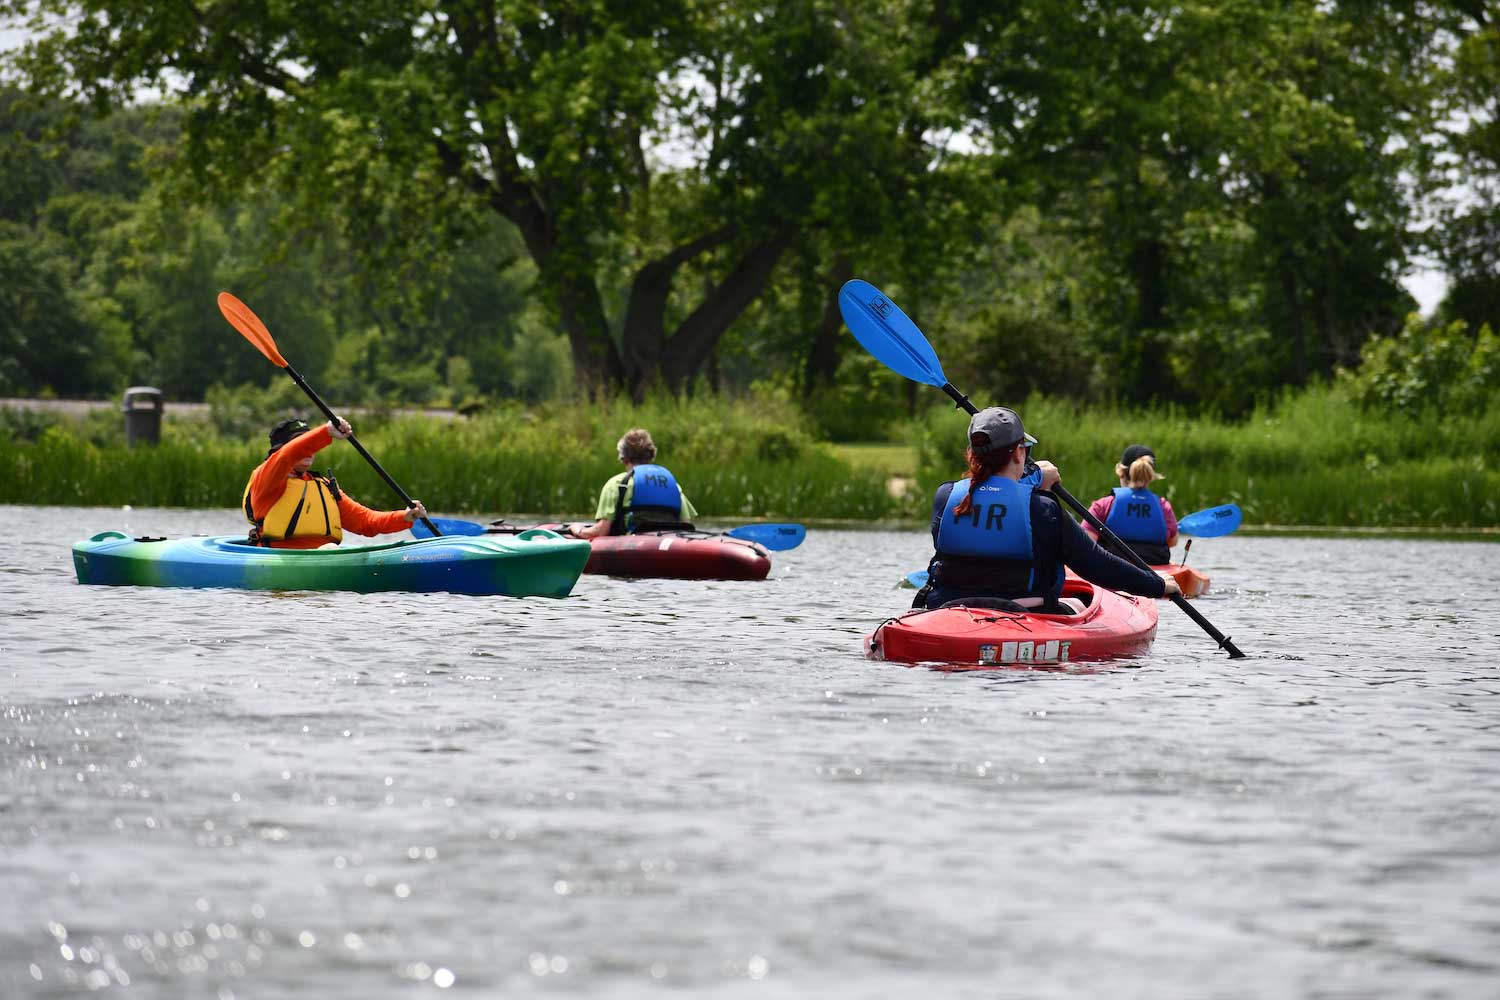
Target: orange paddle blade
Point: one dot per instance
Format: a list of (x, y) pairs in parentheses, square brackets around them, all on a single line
[(242, 319)]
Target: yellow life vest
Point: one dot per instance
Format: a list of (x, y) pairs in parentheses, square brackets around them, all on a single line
[(309, 508)]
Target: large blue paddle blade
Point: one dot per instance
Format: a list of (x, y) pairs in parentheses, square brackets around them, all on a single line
[(887, 333), (448, 526), (776, 537), (1211, 523)]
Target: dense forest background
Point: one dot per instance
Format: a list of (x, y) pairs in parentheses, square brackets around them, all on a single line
[(1187, 204)]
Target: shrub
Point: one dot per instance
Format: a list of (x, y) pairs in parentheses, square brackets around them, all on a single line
[(1425, 368)]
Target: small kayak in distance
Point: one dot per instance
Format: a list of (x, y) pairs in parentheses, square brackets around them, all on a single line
[(974, 637), (678, 555), (662, 554), (1190, 581), (529, 564)]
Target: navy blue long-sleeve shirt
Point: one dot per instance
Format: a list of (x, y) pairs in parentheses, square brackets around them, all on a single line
[(1054, 533)]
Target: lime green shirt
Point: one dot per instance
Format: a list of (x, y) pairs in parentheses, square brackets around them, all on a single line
[(611, 494)]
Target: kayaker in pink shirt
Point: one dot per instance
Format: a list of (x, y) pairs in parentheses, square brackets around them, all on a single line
[(1141, 519)]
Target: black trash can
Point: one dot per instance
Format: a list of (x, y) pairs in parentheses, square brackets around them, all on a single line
[(142, 411)]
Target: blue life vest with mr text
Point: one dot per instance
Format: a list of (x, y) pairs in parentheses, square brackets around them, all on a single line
[(656, 497), (1136, 516)]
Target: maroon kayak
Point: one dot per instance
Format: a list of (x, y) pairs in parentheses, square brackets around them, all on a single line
[(677, 555)]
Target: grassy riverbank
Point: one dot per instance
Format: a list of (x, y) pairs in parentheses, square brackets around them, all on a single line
[(735, 459), (1314, 461)]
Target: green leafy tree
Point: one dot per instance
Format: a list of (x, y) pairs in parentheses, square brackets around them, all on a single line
[(416, 119), (45, 340), (1223, 163), (1437, 368), (1468, 240)]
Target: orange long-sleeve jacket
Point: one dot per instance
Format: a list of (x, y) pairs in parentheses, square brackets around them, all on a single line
[(269, 481)]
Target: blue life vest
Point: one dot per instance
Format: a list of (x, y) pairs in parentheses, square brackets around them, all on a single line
[(988, 550), (1136, 516), (656, 497), (997, 526)]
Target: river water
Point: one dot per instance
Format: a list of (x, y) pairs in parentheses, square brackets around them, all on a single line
[(685, 789)]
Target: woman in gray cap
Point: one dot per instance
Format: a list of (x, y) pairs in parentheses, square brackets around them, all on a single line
[(1138, 517), (998, 533)]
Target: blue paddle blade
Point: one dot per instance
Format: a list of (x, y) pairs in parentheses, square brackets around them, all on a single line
[(887, 333), (448, 526), (916, 580), (776, 537), (1212, 522)]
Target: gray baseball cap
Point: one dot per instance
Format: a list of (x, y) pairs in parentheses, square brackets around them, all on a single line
[(1003, 428)]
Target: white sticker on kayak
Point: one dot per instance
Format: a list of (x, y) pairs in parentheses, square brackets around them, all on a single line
[(1026, 651), (666, 543)]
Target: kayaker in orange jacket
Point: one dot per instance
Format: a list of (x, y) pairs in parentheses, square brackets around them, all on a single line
[(1140, 518), (289, 506)]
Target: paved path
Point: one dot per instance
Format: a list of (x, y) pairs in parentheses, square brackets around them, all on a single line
[(79, 407)]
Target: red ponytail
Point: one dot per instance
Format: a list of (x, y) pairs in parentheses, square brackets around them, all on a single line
[(981, 468)]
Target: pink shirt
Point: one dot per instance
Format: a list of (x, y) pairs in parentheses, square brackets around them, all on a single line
[(1100, 508)]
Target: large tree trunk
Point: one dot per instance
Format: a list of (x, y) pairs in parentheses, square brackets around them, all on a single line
[(689, 346), (1292, 302), (568, 283), (596, 361), (1148, 265), (644, 335), (823, 354)]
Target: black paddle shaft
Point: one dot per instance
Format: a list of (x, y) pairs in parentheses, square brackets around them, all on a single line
[(963, 403), (358, 447)]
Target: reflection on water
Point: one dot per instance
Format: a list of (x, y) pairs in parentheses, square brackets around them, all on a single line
[(704, 786)]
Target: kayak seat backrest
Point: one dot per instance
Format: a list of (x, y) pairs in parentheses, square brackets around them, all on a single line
[(1065, 605), (987, 603)]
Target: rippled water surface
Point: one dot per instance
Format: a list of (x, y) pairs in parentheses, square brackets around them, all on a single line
[(675, 788)]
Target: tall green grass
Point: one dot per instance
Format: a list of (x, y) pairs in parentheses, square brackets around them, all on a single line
[(734, 459), (1312, 459)]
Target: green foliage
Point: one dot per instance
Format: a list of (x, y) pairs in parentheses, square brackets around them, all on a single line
[(25, 425), (750, 458), (537, 367), (1428, 368), (248, 412), (1314, 458), (1198, 203), (44, 339), (867, 402), (1310, 458)]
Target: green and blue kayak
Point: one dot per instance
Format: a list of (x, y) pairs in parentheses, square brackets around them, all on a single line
[(533, 563)]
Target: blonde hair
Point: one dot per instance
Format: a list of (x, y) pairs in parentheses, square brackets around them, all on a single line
[(636, 447), (1142, 472)]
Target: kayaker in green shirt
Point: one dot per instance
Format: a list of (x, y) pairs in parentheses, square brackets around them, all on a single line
[(642, 497)]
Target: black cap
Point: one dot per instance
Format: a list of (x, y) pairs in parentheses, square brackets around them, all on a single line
[(1134, 452), (286, 430)]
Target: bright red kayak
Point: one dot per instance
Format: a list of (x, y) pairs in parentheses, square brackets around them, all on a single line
[(1111, 625), (678, 555)]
